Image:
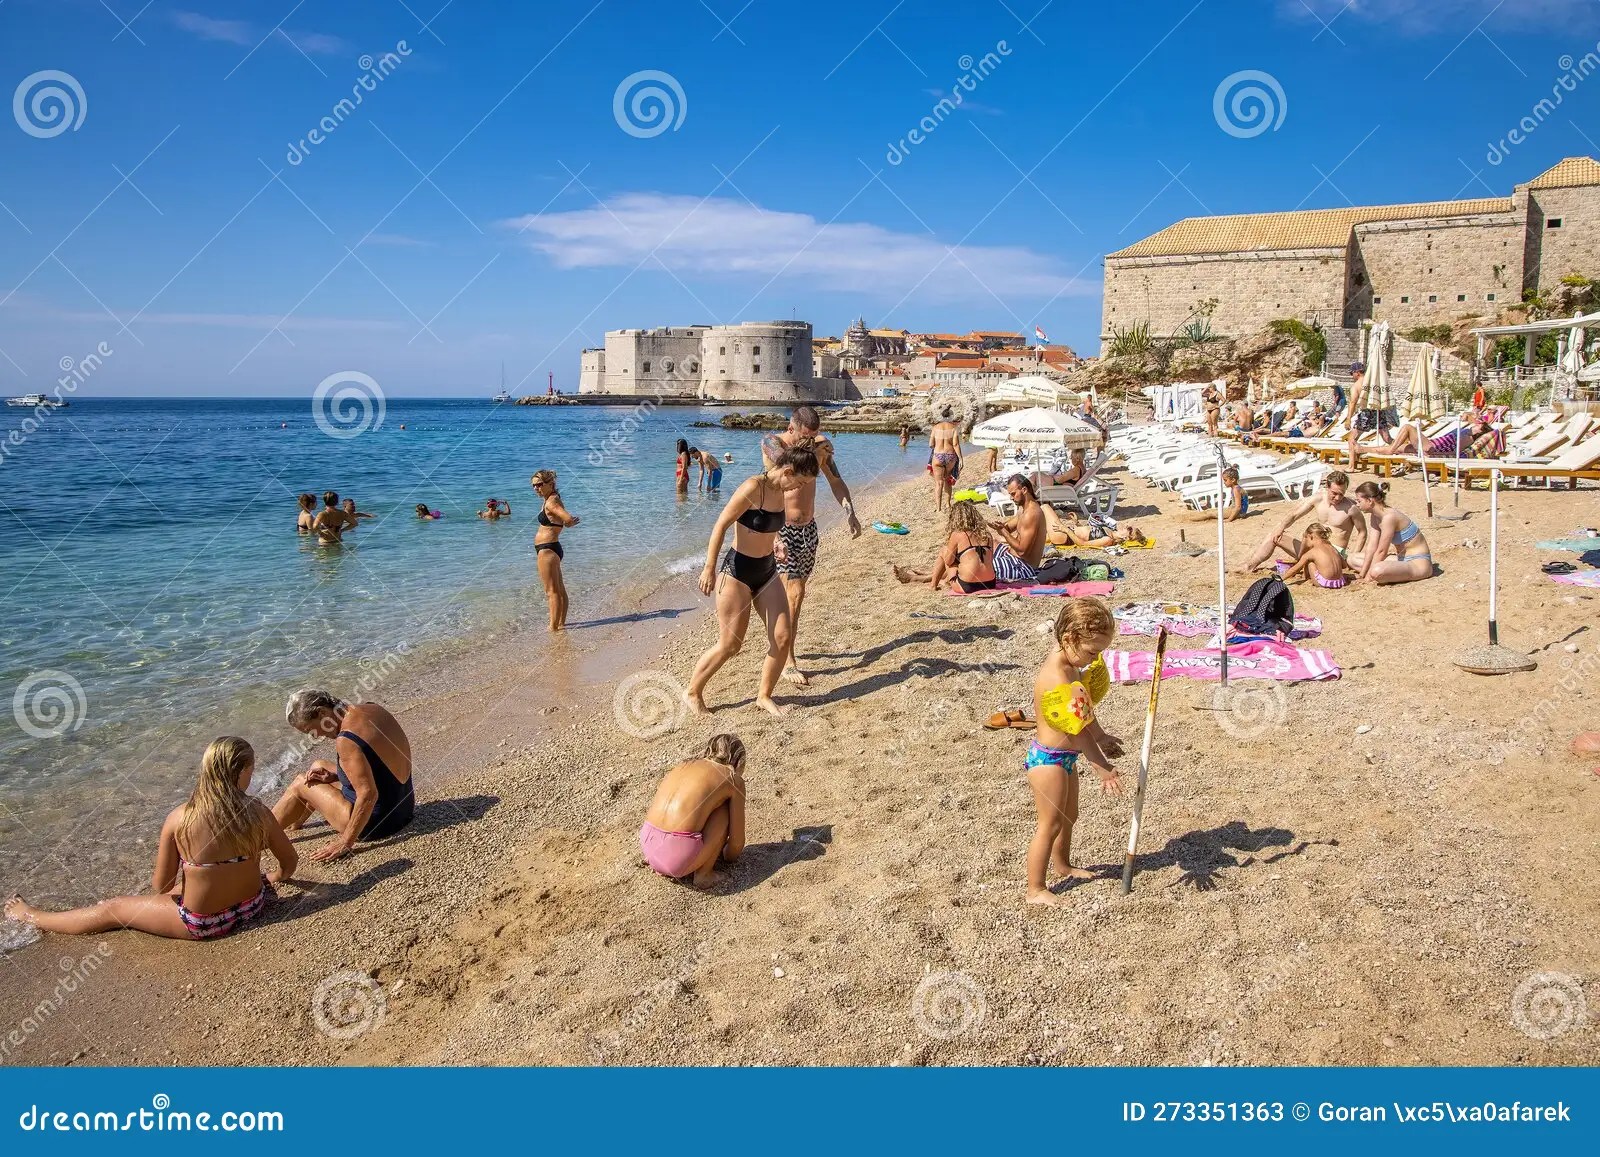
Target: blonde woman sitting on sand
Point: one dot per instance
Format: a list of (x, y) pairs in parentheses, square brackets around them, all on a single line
[(1412, 559), (748, 573), (697, 815), (208, 880), (964, 559), (1071, 530)]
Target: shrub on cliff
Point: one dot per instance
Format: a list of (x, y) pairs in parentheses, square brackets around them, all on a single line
[(1312, 341)]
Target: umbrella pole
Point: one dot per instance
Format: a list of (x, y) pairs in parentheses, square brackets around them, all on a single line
[(1494, 552), (1422, 456), (1144, 762), (1222, 572)]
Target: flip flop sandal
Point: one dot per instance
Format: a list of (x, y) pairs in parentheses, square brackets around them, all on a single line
[(1012, 717), (1558, 568)]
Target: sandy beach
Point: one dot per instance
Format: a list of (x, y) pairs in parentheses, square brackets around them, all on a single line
[(1355, 872)]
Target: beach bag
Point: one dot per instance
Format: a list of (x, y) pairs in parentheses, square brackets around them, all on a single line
[(1062, 570), (1095, 572), (1266, 609)]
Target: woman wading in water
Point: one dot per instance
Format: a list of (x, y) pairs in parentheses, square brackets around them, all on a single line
[(553, 519), (749, 573)]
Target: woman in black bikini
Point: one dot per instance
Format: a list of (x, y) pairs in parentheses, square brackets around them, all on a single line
[(553, 519), (365, 794), (749, 572), (965, 557)]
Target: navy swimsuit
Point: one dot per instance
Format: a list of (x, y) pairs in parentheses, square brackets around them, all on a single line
[(396, 801)]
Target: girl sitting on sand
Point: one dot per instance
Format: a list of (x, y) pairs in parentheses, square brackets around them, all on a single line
[(208, 880), (697, 815), (1319, 560), (965, 557), (1234, 499), (1064, 695)]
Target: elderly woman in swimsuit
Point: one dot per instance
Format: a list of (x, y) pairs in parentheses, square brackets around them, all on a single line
[(748, 572), (366, 792), (208, 880), (553, 519), (964, 558), (1390, 529), (697, 815)]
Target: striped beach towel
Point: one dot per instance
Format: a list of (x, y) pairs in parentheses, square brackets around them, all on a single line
[(1253, 659)]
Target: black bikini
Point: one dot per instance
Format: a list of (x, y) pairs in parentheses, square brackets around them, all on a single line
[(396, 801), (983, 585), (753, 571), (544, 520)]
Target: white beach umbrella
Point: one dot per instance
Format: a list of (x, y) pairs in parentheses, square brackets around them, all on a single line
[(1307, 385), (1035, 428), (1425, 402)]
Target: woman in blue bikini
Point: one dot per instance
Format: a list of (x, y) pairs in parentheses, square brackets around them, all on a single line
[(366, 793), (1412, 559), (208, 880)]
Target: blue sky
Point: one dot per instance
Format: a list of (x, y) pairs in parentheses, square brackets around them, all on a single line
[(484, 203)]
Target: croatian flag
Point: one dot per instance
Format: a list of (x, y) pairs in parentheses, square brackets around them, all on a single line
[(1039, 333)]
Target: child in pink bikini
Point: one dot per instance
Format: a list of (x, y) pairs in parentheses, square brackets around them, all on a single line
[(697, 815), (1319, 560), (1064, 694)]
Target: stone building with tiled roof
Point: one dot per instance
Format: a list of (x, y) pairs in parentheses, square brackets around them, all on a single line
[(1411, 265)]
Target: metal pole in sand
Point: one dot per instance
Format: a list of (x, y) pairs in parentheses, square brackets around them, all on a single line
[(1494, 659), (1144, 761), (1422, 456), (1455, 514), (1222, 572)]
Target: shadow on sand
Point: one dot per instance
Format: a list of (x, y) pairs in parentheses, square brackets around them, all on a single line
[(1201, 856)]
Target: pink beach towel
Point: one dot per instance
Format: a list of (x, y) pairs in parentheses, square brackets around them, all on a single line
[(1255, 659), (1583, 578), (1070, 590)]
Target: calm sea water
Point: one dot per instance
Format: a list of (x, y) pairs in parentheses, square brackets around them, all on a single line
[(156, 590)]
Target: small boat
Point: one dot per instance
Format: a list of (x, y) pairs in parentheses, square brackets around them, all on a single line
[(713, 402), (35, 401), (502, 396)]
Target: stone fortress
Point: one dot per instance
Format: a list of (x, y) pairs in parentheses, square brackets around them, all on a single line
[(1410, 265), (780, 362), (754, 361)]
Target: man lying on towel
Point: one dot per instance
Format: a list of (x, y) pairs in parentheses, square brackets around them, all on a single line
[(1022, 536)]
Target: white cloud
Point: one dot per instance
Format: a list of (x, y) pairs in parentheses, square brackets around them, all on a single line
[(206, 28), (1459, 16), (243, 33), (725, 237)]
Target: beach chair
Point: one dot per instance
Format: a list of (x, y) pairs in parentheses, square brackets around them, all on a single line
[(1089, 496), (1578, 461)]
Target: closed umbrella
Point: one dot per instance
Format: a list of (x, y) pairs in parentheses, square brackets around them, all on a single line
[(1423, 406), (1377, 395)]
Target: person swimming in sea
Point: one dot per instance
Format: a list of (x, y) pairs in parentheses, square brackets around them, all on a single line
[(331, 521), (349, 507), (208, 880), (495, 509), (308, 514), (424, 512)]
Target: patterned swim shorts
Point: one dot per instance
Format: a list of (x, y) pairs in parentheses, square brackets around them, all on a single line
[(800, 545), (1008, 568)]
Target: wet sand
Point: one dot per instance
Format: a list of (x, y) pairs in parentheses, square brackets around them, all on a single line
[(1308, 892)]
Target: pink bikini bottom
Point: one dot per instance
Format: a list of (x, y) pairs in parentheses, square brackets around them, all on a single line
[(670, 853)]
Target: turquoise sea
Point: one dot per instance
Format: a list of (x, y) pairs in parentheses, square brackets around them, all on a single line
[(158, 594)]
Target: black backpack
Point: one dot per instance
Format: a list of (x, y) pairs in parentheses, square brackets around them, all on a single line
[(1266, 609), (1061, 570)]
